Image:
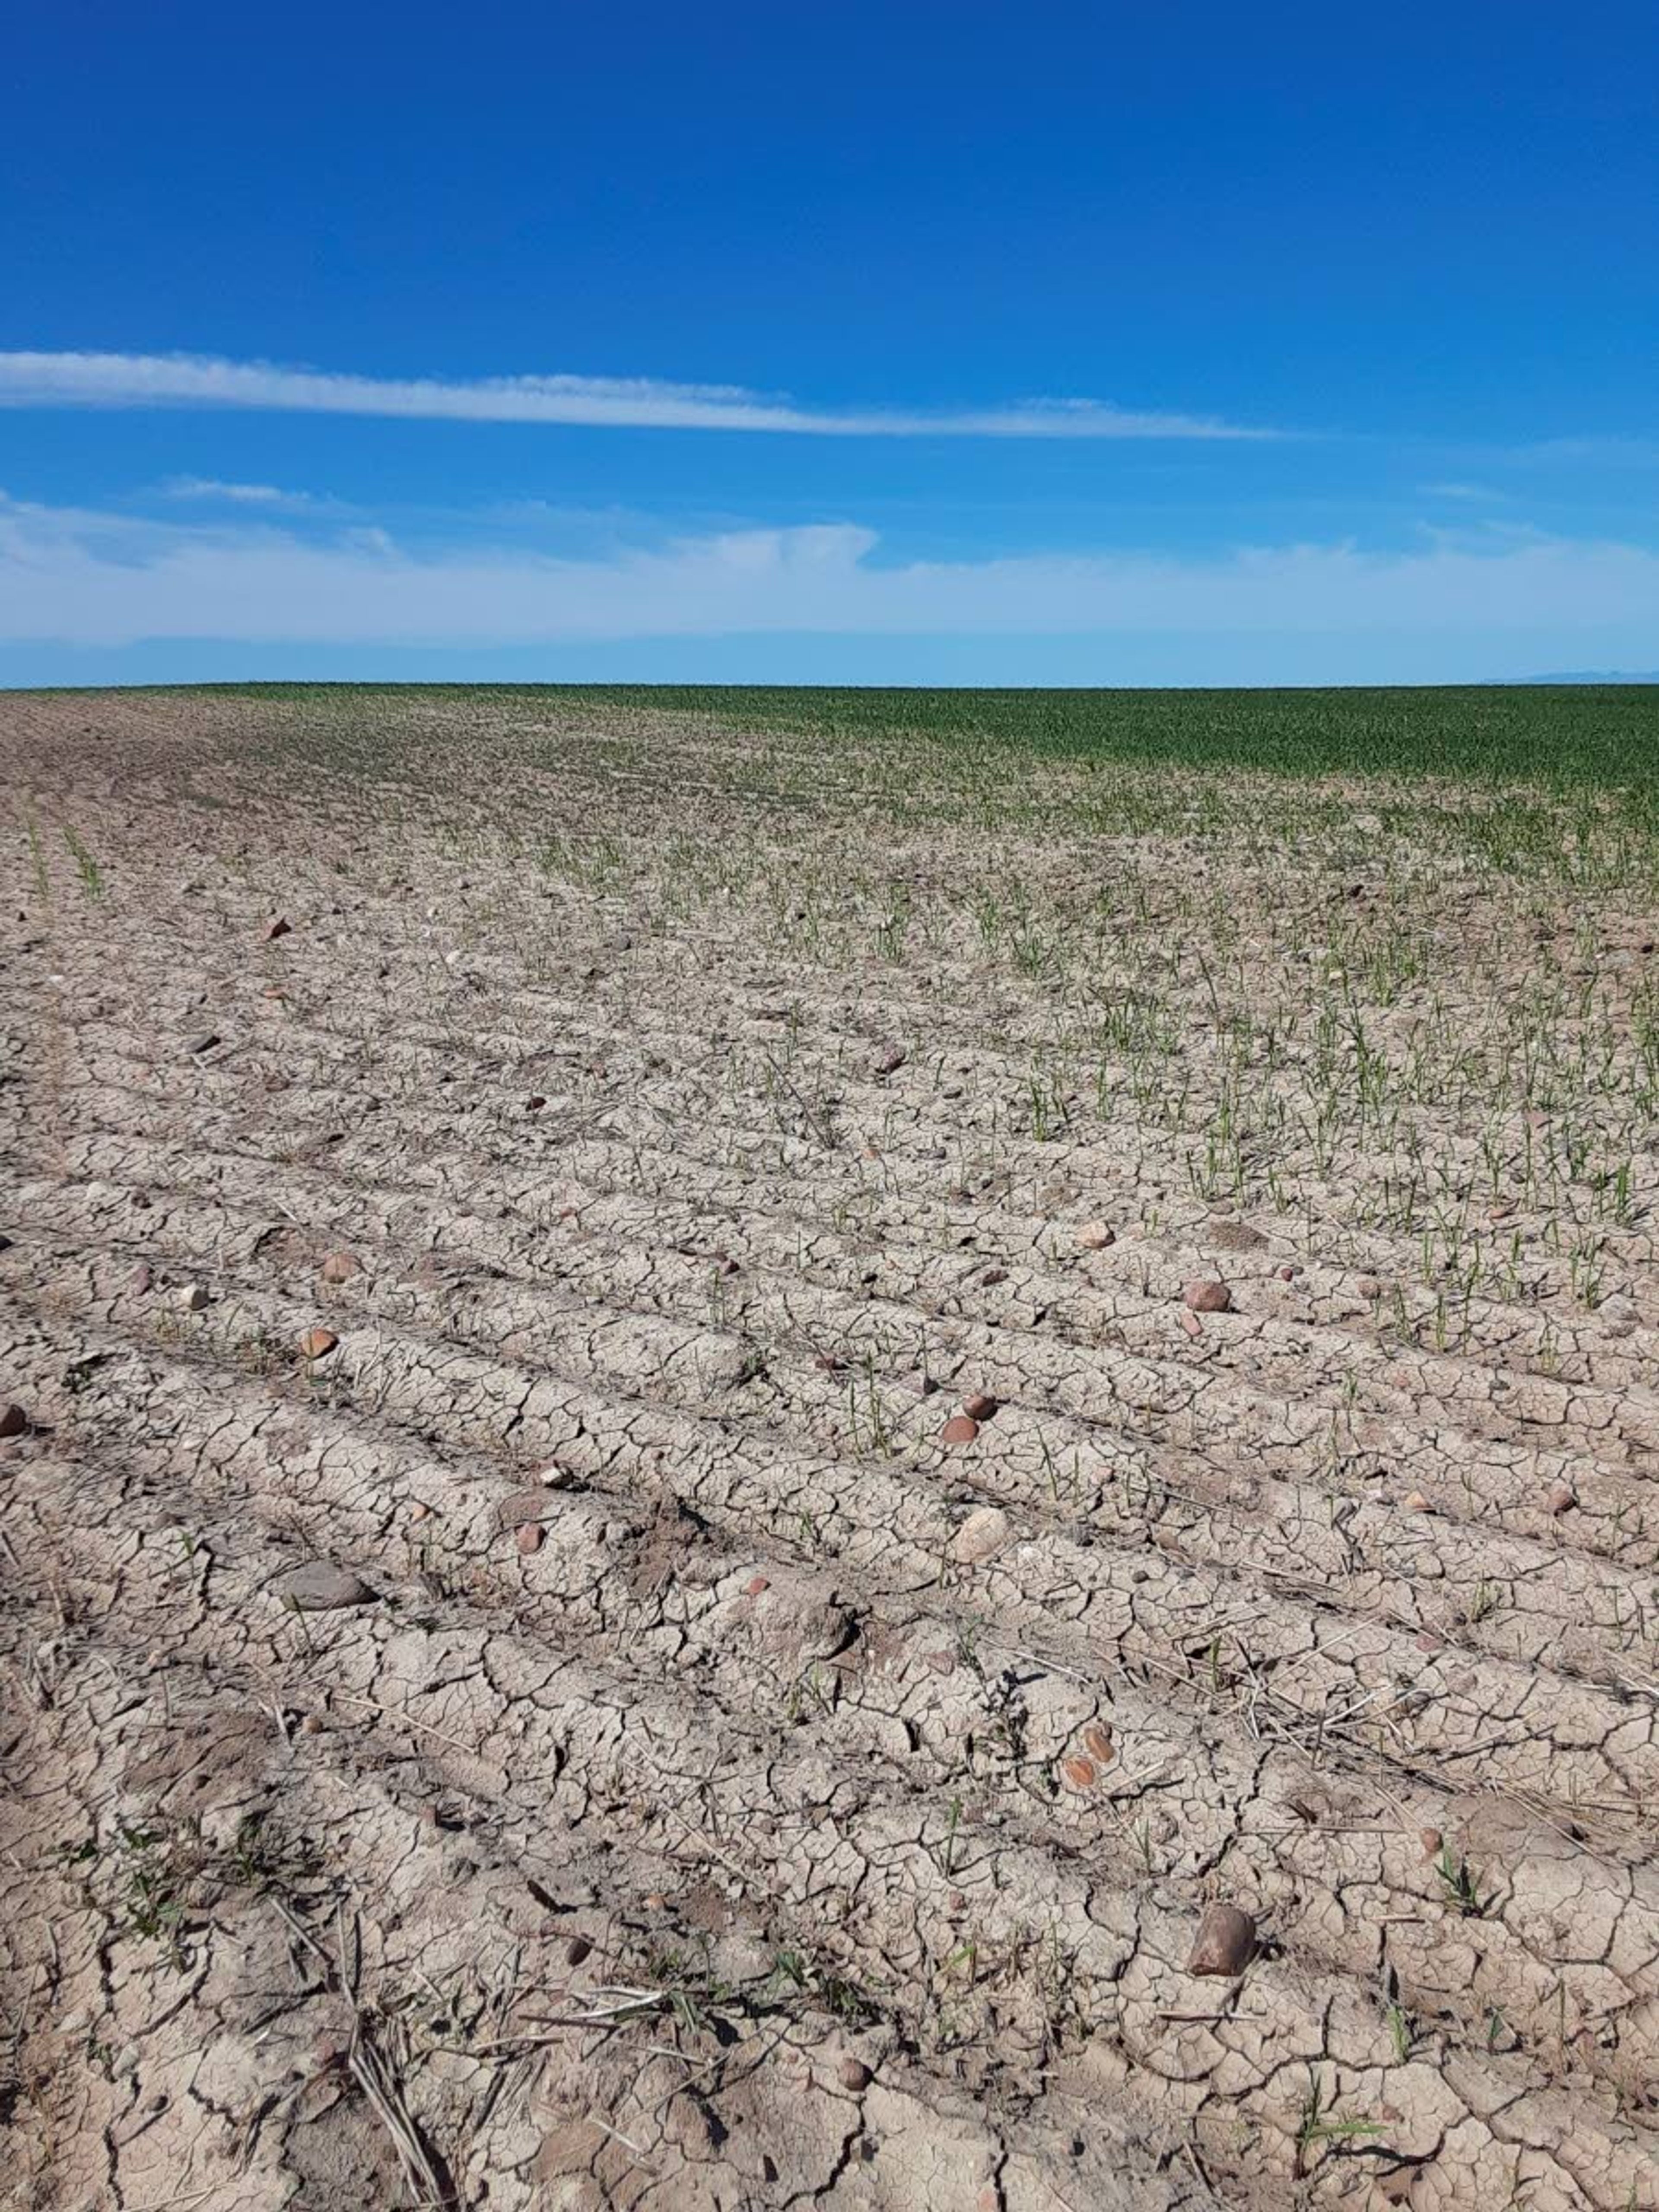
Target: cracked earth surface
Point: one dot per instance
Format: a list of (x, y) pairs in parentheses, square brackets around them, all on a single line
[(643, 1568)]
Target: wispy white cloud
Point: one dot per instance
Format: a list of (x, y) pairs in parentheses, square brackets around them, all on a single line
[(124, 380), (213, 491), (86, 577), (1474, 492)]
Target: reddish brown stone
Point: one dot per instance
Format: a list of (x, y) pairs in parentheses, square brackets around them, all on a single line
[(1207, 1297), (960, 1429), (1224, 1944)]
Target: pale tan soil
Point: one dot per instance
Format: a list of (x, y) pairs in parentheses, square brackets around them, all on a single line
[(712, 1846)]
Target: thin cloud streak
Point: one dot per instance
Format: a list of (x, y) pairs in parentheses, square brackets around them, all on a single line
[(121, 380), (89, 578), (214, 491)]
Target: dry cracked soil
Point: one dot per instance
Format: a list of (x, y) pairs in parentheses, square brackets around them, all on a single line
[(746, 1470)]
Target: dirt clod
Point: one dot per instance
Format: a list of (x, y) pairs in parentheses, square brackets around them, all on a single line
[(980, 1536)]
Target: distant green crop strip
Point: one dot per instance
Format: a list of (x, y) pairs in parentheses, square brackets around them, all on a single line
[(1606, 735), (1603, 736)]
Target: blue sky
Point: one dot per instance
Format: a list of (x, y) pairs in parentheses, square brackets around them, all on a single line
[(913, 344)]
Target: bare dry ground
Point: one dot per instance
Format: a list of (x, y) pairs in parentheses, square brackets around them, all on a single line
[(525, 1684)]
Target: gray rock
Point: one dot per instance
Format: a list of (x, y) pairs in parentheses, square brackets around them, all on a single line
[(319, 1588)]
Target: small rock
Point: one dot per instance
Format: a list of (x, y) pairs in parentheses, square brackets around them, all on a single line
[(534, 1105), (979, 1406), (960, 1429), (578, 1950), (279, 927), (205, 1043), (531, 1537), (140, 1280), (1077, 1773), (1224, 1944), (755, 1585), (1561, 1500), (854, 2075), (1369, 1288), (14, 1421), (1191, 1323), (1288, 1273), (316, 1343), (420, 1511), (193, 1298), (1416, 1502), (1207, 1297), (1096, 1236), (1097, 1742), (890, 1061), (980, 1536), (340, 1266), (319, 1588), (310, 1725), (1432, 1842)]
